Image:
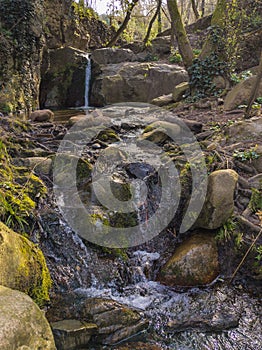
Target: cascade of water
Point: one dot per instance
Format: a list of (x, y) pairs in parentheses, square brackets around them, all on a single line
[(87, 80)]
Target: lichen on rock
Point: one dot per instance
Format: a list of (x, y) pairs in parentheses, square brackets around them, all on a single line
[(23, 266)]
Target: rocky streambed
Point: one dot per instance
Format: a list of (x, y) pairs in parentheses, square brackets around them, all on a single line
[(164, 283)]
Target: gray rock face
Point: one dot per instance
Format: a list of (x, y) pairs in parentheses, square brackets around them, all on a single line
[(112, 56), (134, 82), (22, 324), (63, 84), (219, 204)]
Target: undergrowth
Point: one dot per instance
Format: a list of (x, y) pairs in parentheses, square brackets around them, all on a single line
[(17, 192)]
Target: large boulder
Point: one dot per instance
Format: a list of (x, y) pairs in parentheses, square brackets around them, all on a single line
[(195, 262), (112, 55), (240, 93), (22, 324), (63, 83), (23, 266), (134, 82), (219, 203)]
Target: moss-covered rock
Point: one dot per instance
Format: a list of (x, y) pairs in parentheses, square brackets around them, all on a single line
[(23, 266), (160, 131), (22, 323)]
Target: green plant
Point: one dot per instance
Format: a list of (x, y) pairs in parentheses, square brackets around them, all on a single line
[(17, 192), (175, 58), (238, 77), (196, 52), (258, 259), (255, 203), (227, 231), (202, 74), (150, 57), (248, 154)]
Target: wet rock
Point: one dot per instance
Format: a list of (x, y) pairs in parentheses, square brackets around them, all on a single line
[(22, 323), (195, 262), (134, 82), (64, 166), (219, 203), (139, 346), (23, 266), (162, 100), (217, 323), (240, 93), (72, 334), (112, 55), (179, 91), (115, 321)]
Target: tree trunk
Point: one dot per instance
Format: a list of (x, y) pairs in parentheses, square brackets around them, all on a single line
[(195, 10), (218, 19), (184, 46), (203, 8), (123, 26), (254, 91), (158, 10), (159, 20)]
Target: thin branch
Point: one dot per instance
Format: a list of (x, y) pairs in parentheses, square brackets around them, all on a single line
[(245, 256)]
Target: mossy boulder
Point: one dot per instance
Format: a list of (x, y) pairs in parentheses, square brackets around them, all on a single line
[(195, 262), (219, 203), (23, 266), (160, 131), (22, 324)]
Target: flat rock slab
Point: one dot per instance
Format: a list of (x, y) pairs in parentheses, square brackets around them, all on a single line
[(72, 334)]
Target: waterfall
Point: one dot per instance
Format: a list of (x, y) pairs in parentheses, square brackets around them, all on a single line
[(87, 80)]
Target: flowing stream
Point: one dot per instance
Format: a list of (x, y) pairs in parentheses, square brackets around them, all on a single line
[(216, 317)]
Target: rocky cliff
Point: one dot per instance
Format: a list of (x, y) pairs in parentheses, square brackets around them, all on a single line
[(29, 30)]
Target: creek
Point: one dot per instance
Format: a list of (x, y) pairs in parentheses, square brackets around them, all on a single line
[(214, 317)]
